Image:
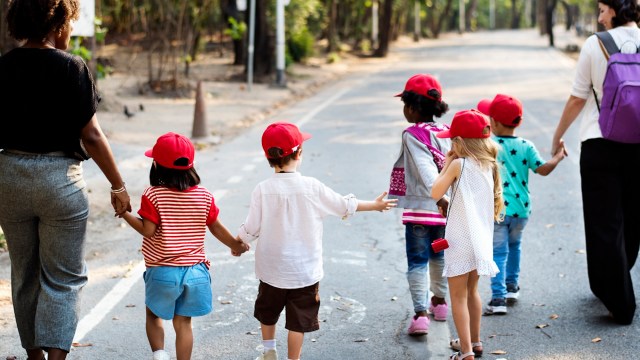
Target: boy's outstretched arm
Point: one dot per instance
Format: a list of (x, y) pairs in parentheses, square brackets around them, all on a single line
[(379, 204), (546, 168), (145, 227), (223, 234)]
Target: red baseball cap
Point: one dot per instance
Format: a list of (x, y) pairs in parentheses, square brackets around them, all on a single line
[(283, 135), (421, 84), (504, 109), (470, 124), (169, 148)]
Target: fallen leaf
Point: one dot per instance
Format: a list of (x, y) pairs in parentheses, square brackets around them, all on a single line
[(361, 340), (394, 298), (541, 326), (251, 333), (313, 340), (491, 336), (75, 344), (554, 316), (498, 352), (226, 302), (548, 226), (580, 251), (596, 340), (539, 304), (115, 318)]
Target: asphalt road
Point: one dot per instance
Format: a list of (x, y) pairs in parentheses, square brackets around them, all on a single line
[(356, 126)]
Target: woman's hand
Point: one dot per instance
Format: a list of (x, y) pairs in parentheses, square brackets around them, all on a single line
[(121, 202)]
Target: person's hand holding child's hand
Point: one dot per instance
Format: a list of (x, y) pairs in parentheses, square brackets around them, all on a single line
[(239, 247)]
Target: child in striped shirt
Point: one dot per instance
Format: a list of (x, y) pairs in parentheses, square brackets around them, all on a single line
[(175, 213), (421, 158)]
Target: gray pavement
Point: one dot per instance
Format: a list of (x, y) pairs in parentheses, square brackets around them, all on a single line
[(356, 124)]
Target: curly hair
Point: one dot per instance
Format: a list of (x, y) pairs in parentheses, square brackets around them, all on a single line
[(427, 108), (626, 11), (35, 19)]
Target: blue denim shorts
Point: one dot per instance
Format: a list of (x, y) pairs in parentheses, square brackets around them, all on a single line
[(178, 290)]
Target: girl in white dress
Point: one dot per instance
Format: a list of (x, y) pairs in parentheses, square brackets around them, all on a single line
[(476, 201)]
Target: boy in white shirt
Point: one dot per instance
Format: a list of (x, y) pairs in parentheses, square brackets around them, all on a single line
[(286, 215)]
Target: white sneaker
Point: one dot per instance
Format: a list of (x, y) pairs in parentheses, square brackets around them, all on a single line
[(161, 355), (268, 355)]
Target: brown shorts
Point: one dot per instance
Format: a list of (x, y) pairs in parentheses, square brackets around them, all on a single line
[(302, 306)]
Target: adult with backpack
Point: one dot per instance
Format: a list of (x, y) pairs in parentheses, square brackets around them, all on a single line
[(610, 151)]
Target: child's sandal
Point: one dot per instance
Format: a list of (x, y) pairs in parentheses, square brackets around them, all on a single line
[(476, 347), (460, 356)]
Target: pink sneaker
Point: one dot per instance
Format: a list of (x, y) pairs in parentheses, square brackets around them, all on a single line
[(419, 326), (439, 311)]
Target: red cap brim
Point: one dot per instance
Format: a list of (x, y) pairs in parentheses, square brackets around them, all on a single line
[(484, 105), (305, 136), (149, 153), (444, 134)]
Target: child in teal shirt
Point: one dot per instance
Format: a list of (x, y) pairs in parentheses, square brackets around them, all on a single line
[(516, 157)]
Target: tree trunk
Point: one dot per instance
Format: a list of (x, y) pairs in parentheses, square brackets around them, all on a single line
[(332, 31), (541, 10), (551, 7), (443, 17), (515, 15), (230, 10), (6, 42), (473, 5), (385, 29), (263, 60)]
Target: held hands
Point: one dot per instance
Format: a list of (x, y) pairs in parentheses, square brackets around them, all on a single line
[(558, 147), (382, 204), (239, 247), (120, 201)]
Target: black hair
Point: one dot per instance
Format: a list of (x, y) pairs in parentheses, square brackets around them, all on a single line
[(426, 107), (173, 178), (35, 19), (277, 160), (626, 11)]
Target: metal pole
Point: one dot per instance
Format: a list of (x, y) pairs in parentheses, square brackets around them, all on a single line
[(250, 50), (280, 77)]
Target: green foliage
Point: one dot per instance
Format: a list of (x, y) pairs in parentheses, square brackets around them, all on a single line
[(333, 57), (236, 29), (100, 32), (300, 45), (3, 242)]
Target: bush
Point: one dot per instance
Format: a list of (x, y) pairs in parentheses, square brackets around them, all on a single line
[(301, 45)]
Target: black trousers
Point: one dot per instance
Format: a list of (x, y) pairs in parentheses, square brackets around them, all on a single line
[(611, 204)]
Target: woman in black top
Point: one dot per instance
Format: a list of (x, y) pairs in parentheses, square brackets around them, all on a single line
[(48, 126)]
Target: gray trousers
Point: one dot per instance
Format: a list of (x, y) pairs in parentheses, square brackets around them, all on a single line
[(43, 213)]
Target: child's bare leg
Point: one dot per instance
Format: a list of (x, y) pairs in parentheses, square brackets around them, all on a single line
[(184, 337), (474, 304), (294, 344), (155, 331), (460, 311), (268, 331)]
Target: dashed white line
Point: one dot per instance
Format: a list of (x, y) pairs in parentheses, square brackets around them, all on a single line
[(234, 179)]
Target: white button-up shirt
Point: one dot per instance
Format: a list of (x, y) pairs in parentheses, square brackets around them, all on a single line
[(286, 216)]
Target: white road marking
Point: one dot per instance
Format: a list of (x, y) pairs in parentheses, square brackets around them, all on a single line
[(234, 179), (321, 107), (249, 167), (219, 193), (113, 297)]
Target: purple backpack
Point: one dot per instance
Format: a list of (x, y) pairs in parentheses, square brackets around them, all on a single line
[(620, 108)]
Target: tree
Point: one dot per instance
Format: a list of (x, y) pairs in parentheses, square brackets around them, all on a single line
[(385, 29), (236, 28), (6, 42)]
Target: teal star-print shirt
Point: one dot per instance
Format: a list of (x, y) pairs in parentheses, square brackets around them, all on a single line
[(516, 157)]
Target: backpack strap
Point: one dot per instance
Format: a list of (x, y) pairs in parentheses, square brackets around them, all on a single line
[(608, 47), (607, 44)]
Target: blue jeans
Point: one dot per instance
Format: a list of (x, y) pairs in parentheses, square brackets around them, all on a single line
[(43, 212), (507, 239), (419, 252)]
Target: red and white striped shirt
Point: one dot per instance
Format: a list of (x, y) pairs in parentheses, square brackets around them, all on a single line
[(423, 217), (182, 218)]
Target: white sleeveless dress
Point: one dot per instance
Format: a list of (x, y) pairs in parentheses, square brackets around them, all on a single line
[(470, 223)]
